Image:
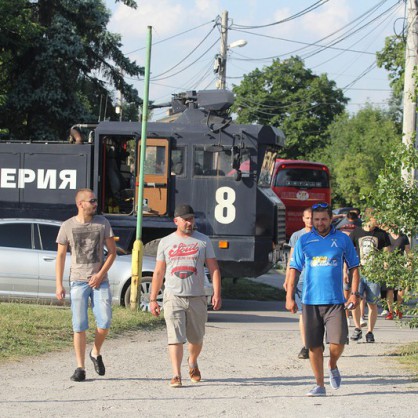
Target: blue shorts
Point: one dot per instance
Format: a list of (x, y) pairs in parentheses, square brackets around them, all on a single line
[(298, 296), (372, 290), (101, 300)]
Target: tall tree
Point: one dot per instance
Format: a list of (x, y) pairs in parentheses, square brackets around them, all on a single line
[(289, 96), (392, 58), (56, 73), (355, 154)]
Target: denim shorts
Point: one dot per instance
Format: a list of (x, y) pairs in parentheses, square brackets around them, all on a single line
[(101, 300), (372, 290)]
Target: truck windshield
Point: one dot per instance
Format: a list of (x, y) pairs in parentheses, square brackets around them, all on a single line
[(301, 177)]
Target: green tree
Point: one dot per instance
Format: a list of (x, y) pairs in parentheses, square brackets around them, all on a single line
[(392, 58), (55, 74), (395, 202), (289, 96), (355, 155)]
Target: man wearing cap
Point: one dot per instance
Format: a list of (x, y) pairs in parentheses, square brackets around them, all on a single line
[(180, 259)]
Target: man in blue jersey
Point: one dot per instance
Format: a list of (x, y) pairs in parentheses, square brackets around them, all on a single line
[(322, 253)]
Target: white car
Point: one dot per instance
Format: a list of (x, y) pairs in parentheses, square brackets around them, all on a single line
[(28, 251)]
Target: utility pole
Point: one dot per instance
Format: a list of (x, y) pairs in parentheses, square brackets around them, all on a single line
[(409, 100), (221, 82)]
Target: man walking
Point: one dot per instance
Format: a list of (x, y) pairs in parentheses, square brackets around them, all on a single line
[(307, 220), (86, 234), (180, 258), (322, 253), (367, 239)]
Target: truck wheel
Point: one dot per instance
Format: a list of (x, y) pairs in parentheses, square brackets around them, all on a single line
[(145, 295), (151, 248)]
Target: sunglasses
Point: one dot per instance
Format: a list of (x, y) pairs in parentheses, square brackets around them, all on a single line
[(320, 205), (91, 201)]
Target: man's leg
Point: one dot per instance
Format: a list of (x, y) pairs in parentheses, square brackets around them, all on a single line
[(175, 352), (194, 351), (390, 298), (335, 351), (372, 316), (79, 292), (99, 338), (302, 331), (356, 316), (316, 357), (102, 309), (80, 348)]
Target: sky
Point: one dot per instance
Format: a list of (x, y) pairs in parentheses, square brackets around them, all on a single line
[(336, 37)]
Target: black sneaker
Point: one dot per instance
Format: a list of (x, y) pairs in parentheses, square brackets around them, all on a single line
[(79, 375), (357, 334), (304, 353), (369, 337), (98, 365)]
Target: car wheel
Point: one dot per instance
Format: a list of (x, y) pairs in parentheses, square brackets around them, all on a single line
[(145, 294)]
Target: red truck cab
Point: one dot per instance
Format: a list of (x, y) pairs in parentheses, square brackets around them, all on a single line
[(300, 184)]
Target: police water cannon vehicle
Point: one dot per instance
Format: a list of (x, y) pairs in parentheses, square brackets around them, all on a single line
[(198, 155)]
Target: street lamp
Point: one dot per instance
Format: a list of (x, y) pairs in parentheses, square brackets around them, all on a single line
[(220, 62)]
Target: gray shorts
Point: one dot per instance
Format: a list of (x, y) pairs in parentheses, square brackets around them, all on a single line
[(318, 318), (185, 317), (298, 296)]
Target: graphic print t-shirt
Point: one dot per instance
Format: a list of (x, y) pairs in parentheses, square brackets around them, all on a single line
[(323, 259), (86, 241), (367, 241), (185, 258)]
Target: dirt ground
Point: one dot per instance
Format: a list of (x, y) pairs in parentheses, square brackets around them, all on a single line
[(249, 367)]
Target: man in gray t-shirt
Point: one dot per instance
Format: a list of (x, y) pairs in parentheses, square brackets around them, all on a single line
[(85, 234), (185, 258), (181, 257)]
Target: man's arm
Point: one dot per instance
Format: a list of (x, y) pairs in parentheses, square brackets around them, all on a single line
[(215, 274), (59, 271), (157, 282), (286, 280), (290, 291), (97, 278), (354, 288)]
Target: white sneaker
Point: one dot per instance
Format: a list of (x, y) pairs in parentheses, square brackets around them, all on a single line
[(384, 312), (363, 322)]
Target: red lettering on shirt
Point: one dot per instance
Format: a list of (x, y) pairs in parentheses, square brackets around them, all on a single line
[(183, 250)]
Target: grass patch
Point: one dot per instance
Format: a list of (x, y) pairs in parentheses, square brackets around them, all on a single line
[(408, 355), (250, 290), (30, 330)]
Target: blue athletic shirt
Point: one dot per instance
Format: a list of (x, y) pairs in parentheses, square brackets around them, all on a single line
[(322, 259)]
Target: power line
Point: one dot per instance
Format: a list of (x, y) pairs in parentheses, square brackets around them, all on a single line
[(172, 37), (288, 19), (189, 65), (158, 77)]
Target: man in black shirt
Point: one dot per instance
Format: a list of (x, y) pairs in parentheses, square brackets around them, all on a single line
[(366, 239)]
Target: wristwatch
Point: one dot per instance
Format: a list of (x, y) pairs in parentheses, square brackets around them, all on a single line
[(356, 294)]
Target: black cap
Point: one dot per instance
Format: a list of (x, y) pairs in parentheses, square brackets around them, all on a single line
[(183, 211)]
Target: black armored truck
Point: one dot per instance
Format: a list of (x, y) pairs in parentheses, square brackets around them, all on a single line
[(197, 155)]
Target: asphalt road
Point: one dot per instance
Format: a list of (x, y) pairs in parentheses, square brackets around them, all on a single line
[(249, 367)]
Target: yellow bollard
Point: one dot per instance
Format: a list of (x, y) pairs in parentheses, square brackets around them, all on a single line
[(137, 254)]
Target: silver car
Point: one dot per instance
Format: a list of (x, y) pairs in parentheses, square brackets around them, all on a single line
[(28, 251)]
